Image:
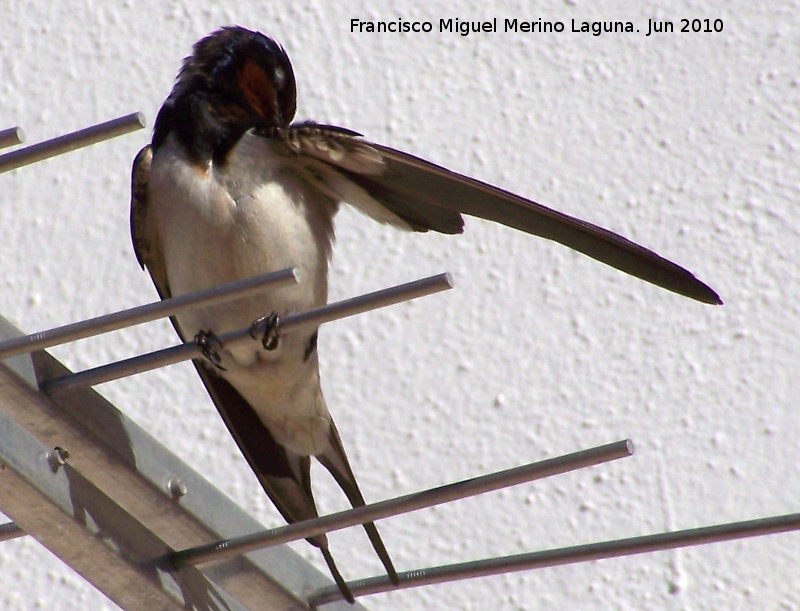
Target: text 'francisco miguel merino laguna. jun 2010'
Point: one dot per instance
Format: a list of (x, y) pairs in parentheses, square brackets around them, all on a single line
[(537, 26)]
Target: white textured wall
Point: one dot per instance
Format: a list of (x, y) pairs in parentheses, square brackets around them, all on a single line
[(687, 143)]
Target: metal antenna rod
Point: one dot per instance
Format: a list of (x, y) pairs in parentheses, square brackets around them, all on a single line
[(11, 137), (10, 530), (145, 313), (403, 504), (564, 555), (70, 142), (188, 350)]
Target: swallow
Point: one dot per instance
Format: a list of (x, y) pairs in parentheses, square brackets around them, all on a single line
[(230, 188)]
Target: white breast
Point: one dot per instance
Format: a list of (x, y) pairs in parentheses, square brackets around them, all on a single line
[(220, 224)]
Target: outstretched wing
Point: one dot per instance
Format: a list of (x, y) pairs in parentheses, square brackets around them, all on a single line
[(427, 196)]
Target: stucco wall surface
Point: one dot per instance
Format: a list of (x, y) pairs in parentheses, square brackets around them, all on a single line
[(685, 142)]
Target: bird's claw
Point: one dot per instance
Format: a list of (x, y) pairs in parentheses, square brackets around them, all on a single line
[(266, 328), (210, 346)]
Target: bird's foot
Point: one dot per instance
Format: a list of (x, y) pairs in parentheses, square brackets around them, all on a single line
[(210, 346), (266, 327)]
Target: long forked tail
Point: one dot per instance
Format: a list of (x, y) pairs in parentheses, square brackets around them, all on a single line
[(337, 576), (285, 476), (335, 460)]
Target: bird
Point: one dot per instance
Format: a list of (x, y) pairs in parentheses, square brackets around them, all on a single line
[(230, 187)]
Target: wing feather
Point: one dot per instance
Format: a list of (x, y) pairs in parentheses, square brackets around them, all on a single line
[(428, 196), (146, 242)]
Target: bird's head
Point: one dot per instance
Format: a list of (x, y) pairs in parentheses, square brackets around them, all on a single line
[(234, 79)]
